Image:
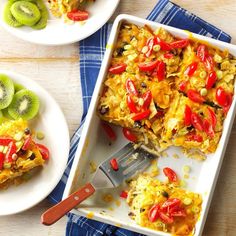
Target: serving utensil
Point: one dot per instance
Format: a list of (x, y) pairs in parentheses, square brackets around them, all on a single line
[(130, 161)]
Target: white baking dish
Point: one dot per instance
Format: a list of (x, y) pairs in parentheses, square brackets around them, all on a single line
[(93, 146)]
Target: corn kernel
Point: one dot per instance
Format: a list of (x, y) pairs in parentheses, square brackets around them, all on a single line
[(203, 74), (156, 48), (217, 58), (219, 74), (203, 92), (187, 201)]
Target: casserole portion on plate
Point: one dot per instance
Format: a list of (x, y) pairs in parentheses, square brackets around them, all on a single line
[(168, 91)]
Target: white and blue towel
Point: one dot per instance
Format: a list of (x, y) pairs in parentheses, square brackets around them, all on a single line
[(91, 51)]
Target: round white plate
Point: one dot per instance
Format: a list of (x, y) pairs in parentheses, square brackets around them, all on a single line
[(52, 123), (57, 32)]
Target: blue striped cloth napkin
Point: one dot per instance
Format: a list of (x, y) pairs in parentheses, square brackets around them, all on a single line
[(91, 54)]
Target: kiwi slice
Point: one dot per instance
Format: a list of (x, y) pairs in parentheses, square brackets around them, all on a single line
[(42, 23), (25, 105), (6, 91), (8, 17), (5, 114), (25, 12), (18, 87)]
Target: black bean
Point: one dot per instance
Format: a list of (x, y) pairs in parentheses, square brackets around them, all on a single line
[(32, 157), (143, 85), (212, 104), (103, 110), (21, 152), (165, 194), (27, 131), (189, 128), (137, 124), (120, 51)]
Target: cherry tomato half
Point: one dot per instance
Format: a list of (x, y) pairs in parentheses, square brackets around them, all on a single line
[(43, 150), (5, 141), (212, 117), (195, 96), (161, 70), (208, 128), (147, 98), (196, 121), (170, 174), (27, 143), (118, 69), (131, 105), (124, 194), (222, 97), (202, 52), (168, 55), (191, 69), (129, 135), (182, 43), (183, 85), (179, 213), (187, 115), (11, 150), (171, 203), (141, 115), (153, 213), (114, 164), (2, 157), (130, 87), (77, 15), (211, 80), (209, 63), (165, 218), (147, 66), (109, 131), (194, 137)]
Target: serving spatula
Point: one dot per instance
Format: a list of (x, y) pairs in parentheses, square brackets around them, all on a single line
[(130, 161)]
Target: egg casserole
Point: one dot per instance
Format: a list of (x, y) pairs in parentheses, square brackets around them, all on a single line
[(19, 154), (163, 206), (168, 91)]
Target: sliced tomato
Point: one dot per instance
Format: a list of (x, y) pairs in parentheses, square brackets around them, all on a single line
[(195, 96), (168, 55), (183, 85), (172, 176), (194, 137), (197, 121), (222, 97), (171, 203), (161, 70), (124, 194), (208, 128), (129, 135), (202, 52), (109, 131), (2, 157), (43, 150), (187, 115), (114, 164), (141, 115), (212, 117), (10, 151), (78, 15), (118, 69), (211, 80), (131, 105), (147, 98), (153, 213), (182, 43), (165, 218), (147, 66), (130, 87), (191, 69)]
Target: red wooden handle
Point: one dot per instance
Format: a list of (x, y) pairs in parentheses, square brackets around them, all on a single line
[(55, 213)]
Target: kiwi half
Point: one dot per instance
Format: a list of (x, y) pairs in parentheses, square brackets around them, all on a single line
[(6, 91), (25, 12), (8, 17), (25, 105)]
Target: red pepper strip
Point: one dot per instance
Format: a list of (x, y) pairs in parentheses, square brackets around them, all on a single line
[(27, 143), (43, 150), (129, 135), (11, 150), (202, 52), (131, 104), (109, 131), (130, 87), (191, 69), (78, 15), (141, 115), (168, 55), (211, 80), (222, 97), (195, 96), (153, 213), (124, 194), (182, 43), (161, 70), (183, 85), (170, 174), (148, 66), (209, 63), (187, 116), (150, 43), (194, 137), (165, 218), (118, 69), (147, 98), (114, 164), (208, 128), (212, 117), (170, 203), (5, 141), (2, 157), (197, 121)]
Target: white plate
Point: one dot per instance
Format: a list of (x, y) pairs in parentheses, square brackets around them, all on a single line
[(94, 147), (57, 32), (52, 123)]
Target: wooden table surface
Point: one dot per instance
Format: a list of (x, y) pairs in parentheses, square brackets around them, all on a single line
[(57, 70)]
